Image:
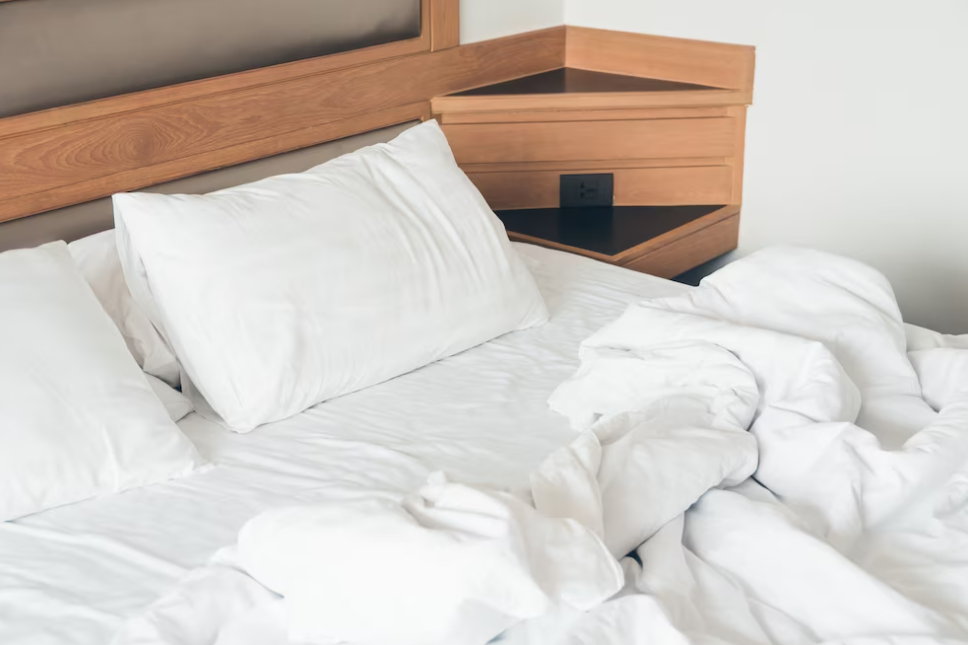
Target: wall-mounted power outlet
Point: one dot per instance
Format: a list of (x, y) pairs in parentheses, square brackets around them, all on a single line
[(582, 191)]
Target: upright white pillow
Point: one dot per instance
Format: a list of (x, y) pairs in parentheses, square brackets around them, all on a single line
[(77, 417), (96, 257), (292, 290)]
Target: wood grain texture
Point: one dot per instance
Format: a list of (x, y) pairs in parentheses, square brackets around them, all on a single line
[(591, 140), (444, 24), (738, 160), (530, 116), (670, 254), (662, 144), (128, 149), (592, 165), (118, 105), (138, 176), (674, 59), (594, 101), (633, 186), (686, 230), (670, 258)]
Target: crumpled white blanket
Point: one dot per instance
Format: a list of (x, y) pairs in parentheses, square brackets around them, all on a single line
[(454, 564), (782, 459)]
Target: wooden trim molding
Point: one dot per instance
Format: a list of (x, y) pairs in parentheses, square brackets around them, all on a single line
[(738, 160), (78, 153), (592, 101), (590, 165), (186, 92), (667, 258), (539, 115), (673, 59), (444, 24), (123, 174), (492, 143), (431, 9), (671, 253), (726, 213)]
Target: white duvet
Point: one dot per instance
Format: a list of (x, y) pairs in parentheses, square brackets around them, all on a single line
[(771, 458)]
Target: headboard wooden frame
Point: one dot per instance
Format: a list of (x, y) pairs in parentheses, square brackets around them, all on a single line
[(78, 153)]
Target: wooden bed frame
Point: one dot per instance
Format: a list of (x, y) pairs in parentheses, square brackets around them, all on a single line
[(74, 154)]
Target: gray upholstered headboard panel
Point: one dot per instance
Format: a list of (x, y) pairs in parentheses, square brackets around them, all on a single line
[(86, 219), (59, 52)]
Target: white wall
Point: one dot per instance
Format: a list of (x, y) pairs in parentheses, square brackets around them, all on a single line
[(858, 138), (486, 19)]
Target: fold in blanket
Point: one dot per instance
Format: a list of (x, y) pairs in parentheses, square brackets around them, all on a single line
[(773, 457), (453, 564), (663, 432)]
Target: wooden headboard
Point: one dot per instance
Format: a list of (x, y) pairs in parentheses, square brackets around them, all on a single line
[(64, 156), (61, 52), (80, 220), (67, 155), (71, 154)]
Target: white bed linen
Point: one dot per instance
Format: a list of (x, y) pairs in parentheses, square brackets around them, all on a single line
[(78, 418), (96, 257), (72, 575), (812, 342)]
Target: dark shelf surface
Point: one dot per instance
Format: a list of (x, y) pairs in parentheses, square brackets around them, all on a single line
[(609, 230), (573, 81)]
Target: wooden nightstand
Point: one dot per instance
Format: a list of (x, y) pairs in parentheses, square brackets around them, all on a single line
[(661, 240), (671, 153)]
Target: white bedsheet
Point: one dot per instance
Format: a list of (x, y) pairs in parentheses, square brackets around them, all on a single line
[(853, 530), (73, 575)]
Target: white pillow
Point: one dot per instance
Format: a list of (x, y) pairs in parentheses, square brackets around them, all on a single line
[(292, 290), (77, 417), (96, 257)]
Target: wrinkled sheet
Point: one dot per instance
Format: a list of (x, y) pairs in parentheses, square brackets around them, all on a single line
[(75, 575), (458, 565), (852, 529)]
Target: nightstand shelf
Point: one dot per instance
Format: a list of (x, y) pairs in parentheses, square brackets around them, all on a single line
[(579, 81), (661, 240), (674, 150)]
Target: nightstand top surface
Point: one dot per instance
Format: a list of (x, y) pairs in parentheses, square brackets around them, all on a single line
[(578, 81), (608, 230)]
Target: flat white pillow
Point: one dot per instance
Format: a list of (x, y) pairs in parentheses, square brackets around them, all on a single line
[(295, 289), (77, 417), (96, 257)]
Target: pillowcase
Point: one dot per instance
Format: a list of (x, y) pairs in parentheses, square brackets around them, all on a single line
[(176, 404), (96, 258), (283, 293), (77, 417)]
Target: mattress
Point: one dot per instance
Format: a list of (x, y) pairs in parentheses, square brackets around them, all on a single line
[(74, 574)]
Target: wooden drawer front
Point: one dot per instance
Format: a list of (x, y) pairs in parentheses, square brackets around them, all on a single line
[(690, 251), (633, 186), (592, 140)]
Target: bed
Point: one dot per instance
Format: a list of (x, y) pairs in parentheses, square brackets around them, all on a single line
[(769, 457), (74, 574)]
